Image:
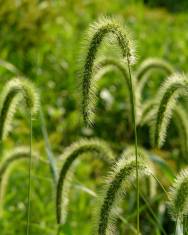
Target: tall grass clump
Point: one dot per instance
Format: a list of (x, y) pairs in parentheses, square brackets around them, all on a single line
[(69, 156), (178, 202), (111, 29)]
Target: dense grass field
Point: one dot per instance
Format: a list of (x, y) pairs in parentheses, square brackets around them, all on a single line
[(45, 43)]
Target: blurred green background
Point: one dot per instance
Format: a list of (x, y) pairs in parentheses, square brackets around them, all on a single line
[(43, 40)]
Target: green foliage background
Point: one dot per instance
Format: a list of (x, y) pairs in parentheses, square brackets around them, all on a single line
[(43, 40)]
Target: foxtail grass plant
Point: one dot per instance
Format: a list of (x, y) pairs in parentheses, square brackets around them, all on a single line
[(111, 29), (97, 32), (15, 71), (118, 183), (69, 156), (15, 91), (178, 202)]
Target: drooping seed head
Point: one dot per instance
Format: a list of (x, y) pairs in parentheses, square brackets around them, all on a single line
[(178, 203), (148, 67), (101, 150), (105, 27), (153, 63), (13, 93), (118, 183), (175, 86)]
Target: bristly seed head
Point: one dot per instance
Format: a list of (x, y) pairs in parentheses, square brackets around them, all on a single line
[(97, 32), (117, 185), (13, 92), (178, 204), (102, 151), (175, 86)]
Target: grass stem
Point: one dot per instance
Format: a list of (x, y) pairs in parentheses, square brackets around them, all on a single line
[(136, 147), (29, 180)]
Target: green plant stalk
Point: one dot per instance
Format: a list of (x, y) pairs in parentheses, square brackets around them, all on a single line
[(29, 182), (48, 149), (51, 158), (156, 221), (132, 97), (160, 184)]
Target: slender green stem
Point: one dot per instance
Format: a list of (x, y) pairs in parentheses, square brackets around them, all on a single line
[(136, 146), (148, 205), (153, 214), (48, 149), (29, 181), (160, 184)]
